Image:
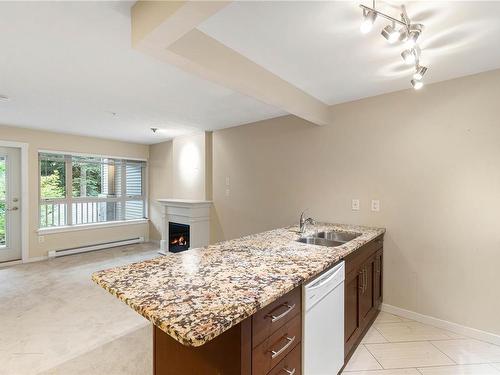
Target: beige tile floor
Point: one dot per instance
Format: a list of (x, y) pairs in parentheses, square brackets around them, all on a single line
[(54, 320), (399, 346)]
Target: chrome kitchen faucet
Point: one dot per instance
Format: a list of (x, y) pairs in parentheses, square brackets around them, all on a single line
[(303, 222)]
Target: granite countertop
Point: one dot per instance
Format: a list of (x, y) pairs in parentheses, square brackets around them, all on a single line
[(196, 295)]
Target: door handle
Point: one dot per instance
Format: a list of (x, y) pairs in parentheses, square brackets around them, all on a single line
[(13, 209), (365, 280), (275, 353), (275, 318)]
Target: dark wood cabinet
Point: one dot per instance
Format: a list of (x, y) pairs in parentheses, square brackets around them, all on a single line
[(268, 342), (363, 292), (377, 278)]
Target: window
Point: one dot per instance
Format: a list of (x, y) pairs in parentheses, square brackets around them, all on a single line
[(78, 190)]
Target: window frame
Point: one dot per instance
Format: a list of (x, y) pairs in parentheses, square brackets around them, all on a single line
[(69, 199)]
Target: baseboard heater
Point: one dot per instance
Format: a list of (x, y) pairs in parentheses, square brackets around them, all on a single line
[(85, 249)]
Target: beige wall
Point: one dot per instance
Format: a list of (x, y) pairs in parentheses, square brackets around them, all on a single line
[(189, 166), (41, 140), (180, 168), (431, 157), (160, 183)]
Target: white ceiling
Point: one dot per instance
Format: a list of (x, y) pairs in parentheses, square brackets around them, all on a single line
[(67, 65), (318, 47)]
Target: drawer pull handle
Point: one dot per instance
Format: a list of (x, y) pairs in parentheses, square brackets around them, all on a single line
[(275, 318), (289, 372), (276, 353)]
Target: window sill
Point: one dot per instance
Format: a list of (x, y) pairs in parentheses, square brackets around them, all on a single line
[(73, 228)]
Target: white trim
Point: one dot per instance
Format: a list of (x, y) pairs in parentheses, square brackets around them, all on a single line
[(444, 324), (36, 259), (10, 263), (105, 224), (60, 152), (24, 195)]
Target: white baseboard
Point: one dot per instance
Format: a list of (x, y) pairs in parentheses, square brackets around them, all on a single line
[(10, 263), (444, 324), (35, 259)]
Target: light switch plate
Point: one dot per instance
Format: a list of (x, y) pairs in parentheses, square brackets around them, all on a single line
[(228, 192), (355, 205), (375, 205), (228, 181)]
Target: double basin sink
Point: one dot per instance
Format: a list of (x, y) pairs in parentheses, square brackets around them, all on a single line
[(330, 239)]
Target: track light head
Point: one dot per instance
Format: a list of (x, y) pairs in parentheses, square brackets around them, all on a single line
[(417, 84), (413, 34), (410, 56), (369, 18), (391, 34), (419, 72)]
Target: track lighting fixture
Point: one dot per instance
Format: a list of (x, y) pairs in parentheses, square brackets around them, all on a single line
[(369, 18), (409, 33), (410, 56), (390, 33), (417, 84), (419, 72)]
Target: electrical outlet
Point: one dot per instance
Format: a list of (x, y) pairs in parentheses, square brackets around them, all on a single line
[(375, 205), (41, 239), (355, 205)]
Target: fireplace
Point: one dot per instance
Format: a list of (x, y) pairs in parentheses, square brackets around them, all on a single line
[(184, 216), (178, 237)]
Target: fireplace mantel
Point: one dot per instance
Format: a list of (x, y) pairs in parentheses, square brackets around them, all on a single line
[(195, 213)]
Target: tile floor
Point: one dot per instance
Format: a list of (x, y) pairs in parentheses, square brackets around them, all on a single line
[(54, 320), (399, 346)]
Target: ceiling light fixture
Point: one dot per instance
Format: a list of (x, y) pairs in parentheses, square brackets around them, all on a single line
[(410, 56), (417, 84), (4, 98), (419, 72), (390, 33), (409, 33), (369, 18)]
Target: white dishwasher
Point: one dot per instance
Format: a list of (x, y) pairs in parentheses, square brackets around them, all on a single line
[(324, 323)]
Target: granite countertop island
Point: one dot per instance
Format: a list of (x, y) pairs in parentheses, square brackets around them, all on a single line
[(196, 295)]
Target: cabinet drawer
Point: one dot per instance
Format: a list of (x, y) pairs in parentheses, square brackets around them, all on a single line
[(291, 364), (266, 321), (275, 348)]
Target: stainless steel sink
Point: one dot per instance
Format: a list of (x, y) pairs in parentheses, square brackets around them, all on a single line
[(320, 241), (331, 239), (338, 236)]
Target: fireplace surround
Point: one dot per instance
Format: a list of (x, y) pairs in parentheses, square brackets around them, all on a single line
[(193, 215)]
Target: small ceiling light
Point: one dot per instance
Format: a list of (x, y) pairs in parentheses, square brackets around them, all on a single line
[(4, 98), (410, 56), (368, 21), (419, 72), (417, 84), (154, 130), (390, 33), (414, 32)]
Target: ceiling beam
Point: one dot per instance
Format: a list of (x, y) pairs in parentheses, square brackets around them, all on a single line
[(167, 31)]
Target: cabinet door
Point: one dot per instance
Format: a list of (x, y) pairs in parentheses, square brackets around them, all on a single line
[(366, 302), (377, 279), (352, 293)]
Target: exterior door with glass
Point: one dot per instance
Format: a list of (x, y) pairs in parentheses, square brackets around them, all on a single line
[(10, 204)]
